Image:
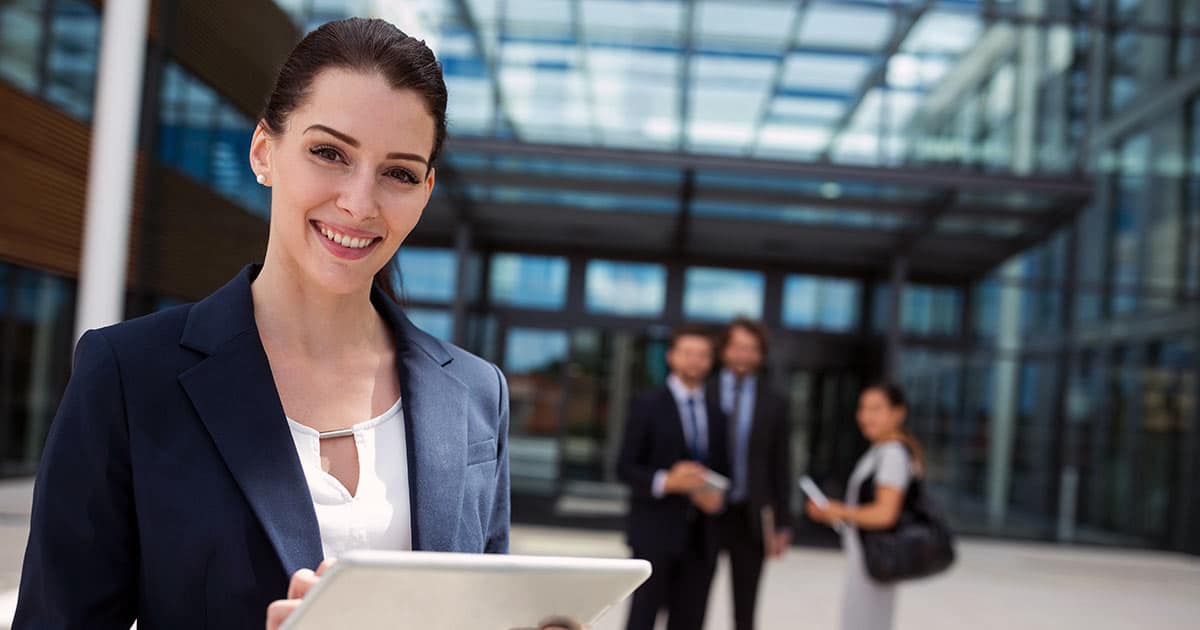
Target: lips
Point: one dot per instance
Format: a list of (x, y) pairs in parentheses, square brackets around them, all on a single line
[(345, 243)]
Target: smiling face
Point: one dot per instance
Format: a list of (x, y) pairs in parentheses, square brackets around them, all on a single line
[(349, 177)]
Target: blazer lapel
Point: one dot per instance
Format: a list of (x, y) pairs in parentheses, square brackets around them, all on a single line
[(435, 415), (235, 396)]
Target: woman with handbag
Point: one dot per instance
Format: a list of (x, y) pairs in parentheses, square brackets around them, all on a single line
[(891, 463)]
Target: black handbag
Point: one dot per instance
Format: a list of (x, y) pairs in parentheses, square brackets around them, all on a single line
[(919, 545)]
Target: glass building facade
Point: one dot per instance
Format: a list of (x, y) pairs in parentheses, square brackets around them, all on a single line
[(881, 182)]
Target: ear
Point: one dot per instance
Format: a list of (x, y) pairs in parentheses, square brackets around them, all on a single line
[(430, 179), (260, 152)]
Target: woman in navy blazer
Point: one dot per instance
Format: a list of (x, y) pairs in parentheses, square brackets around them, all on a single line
[(171, 490)]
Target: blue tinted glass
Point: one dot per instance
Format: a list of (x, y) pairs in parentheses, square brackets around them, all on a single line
[(429, 275), (801, 295), (436, 322), (20, 42), (71, 64), (839, 304), (722, 294), (626, 288), (533, 350), (529, 281), (822, 303)]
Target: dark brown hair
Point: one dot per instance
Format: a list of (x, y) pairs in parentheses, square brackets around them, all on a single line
[(897, 400), (689, 330), (367, 46), (754, 327)]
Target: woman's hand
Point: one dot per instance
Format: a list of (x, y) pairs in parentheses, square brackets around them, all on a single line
[(302, 581), (836, 511)]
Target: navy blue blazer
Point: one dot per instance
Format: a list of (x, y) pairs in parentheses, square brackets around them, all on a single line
[(170, 490), (653, 441)]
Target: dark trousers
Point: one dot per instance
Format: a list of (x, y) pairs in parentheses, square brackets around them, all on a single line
[(679, 583), (741, 537)]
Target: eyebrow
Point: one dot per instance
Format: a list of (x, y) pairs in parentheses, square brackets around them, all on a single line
[(354, 143)]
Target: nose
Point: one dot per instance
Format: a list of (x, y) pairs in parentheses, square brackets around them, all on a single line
[(357, 195)]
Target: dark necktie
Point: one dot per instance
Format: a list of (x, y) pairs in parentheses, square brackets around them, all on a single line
[(694, 423)]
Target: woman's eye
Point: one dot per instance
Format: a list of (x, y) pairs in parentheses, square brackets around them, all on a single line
[(326, 153), (402, 175)]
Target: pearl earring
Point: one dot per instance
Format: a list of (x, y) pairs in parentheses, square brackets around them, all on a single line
[(261, 179)]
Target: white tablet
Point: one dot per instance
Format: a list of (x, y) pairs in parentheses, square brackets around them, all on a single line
[(386, 590), (716, 481)]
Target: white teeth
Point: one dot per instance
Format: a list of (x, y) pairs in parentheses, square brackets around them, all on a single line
[(345, 241)]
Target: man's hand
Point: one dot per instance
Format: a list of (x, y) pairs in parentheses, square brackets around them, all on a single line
[(302, 581), (685, 477), (780, 542), (709, 501)]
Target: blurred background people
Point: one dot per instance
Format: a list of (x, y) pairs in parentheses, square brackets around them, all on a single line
[(756, 522), (674, 436), (893, 459)]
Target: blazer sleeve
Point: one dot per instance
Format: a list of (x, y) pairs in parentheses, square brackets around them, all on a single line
[(498, 524), (634, 467), (81, 560), (781, 464)]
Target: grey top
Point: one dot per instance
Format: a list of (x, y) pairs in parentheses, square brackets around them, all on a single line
[(891, 464)]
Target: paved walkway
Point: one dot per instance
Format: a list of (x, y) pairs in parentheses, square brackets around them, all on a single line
[(994, 586)]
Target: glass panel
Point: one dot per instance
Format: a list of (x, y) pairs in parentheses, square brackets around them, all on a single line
[(429, 275), (1192, 222), (71, 66), (36, 319), (821, 303), (21, 35), (842, 26), (607, 369), (924, 310), (1126, 224), (623, 288), (529, 281), (747, 25), (722, 294), (533, 364), (436, 322)]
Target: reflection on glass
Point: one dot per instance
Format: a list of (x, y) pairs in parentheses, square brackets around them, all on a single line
[(1125, 225), (924, 310), (205, 137), (436, 322), (722, 294), (71, 65), (36, 311), (821, 303), (623, 288), (533, 363), (429, 274), (529, 281), (20, 42)]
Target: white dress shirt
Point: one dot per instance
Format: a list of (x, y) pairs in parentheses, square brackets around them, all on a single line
[(681, 393)]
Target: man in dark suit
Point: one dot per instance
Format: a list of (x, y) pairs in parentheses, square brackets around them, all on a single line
[(756, 522), (673, 437)]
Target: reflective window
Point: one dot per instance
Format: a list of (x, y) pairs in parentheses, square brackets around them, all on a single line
[(206, 138), (624, 288), (722, 294), (437, 322), (21, 35), (533, 363), (428, 274), (822, 303), (72, 61), (1125, 227), (529, 281), (36, 315), (924, 310), (1192, 238)]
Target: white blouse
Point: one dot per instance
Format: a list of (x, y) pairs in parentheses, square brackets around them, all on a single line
[(379, 515)]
